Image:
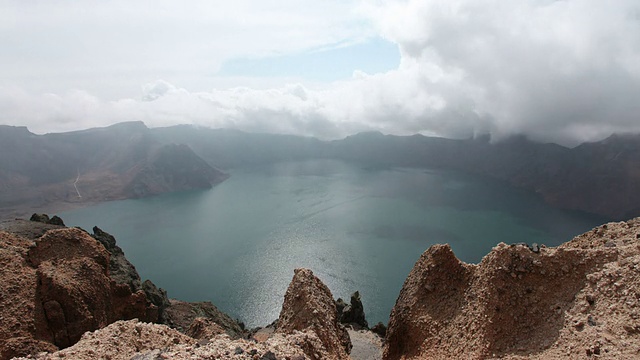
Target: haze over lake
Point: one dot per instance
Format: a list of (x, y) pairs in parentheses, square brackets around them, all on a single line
[(357, 228)]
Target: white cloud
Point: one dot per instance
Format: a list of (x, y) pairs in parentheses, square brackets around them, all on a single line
[(564, 71), (555, 70), (110, 48)]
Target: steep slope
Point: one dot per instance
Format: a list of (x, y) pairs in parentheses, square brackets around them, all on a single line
[(117, 162)]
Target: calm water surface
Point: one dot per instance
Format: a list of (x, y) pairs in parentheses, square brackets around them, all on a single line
[(357, 228)]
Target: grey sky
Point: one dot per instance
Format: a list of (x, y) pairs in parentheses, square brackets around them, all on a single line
[(564, 71)]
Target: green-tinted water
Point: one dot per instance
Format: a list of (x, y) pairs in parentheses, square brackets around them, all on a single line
[(356, 228)]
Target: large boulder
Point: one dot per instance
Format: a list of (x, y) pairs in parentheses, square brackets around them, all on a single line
[(352, 313), (57, 287), (44, 218), (309, 308), (572, 301)]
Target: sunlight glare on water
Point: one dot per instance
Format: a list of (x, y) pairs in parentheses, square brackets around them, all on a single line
[(357, 228)]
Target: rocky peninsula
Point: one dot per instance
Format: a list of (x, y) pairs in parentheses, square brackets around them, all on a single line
[(67, 293)]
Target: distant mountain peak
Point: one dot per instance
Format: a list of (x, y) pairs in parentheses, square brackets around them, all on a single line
[(131, 125)]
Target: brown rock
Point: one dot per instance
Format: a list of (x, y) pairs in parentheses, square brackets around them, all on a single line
[(19, 346), (121, 340), (203, 328), (67, 244), (309, 307), (519, 304), (180, 315), (432, 295), (132, 340), (56, 288)]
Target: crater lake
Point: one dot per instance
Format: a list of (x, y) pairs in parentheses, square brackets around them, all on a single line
[(356, 227)]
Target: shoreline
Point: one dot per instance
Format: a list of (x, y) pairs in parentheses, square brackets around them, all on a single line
[(24, 212)]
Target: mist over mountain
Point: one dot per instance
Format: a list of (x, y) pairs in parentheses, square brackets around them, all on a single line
[(129, 160), (121, 161), (599, 177)]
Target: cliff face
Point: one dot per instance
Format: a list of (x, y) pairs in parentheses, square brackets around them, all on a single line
[(84, 167), (577, 300)]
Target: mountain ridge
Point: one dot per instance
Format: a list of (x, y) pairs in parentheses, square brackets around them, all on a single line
[(88, 166), (601, 177)]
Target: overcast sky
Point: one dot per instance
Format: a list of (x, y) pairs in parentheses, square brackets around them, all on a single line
[(563, 71)]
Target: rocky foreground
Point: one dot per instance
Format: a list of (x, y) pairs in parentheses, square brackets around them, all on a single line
[(65, 293)]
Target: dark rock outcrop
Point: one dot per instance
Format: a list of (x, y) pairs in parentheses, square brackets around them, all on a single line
[(380, 329), (353, 313), (120, 269), (56, 220), (44, 218), (158, 297), (309, 307)]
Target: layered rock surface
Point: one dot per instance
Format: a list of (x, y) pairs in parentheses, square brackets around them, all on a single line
[(574, 301)]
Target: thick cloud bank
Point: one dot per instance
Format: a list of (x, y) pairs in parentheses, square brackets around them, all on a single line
[(562, 71)]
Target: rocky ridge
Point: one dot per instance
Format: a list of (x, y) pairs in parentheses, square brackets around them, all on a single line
[(578, 300), (55, 287), (58, 283)]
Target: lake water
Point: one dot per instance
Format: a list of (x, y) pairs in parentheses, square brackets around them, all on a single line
[(357, 228)]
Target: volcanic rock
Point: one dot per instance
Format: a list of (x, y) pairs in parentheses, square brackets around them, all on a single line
[(203, 328), (181, 315), (518, 304), (354, 313), (157, 296), (120, 269), (309, 308), (56, 288), (44, 218), (380, 329), (133, 340), (121, 340)]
